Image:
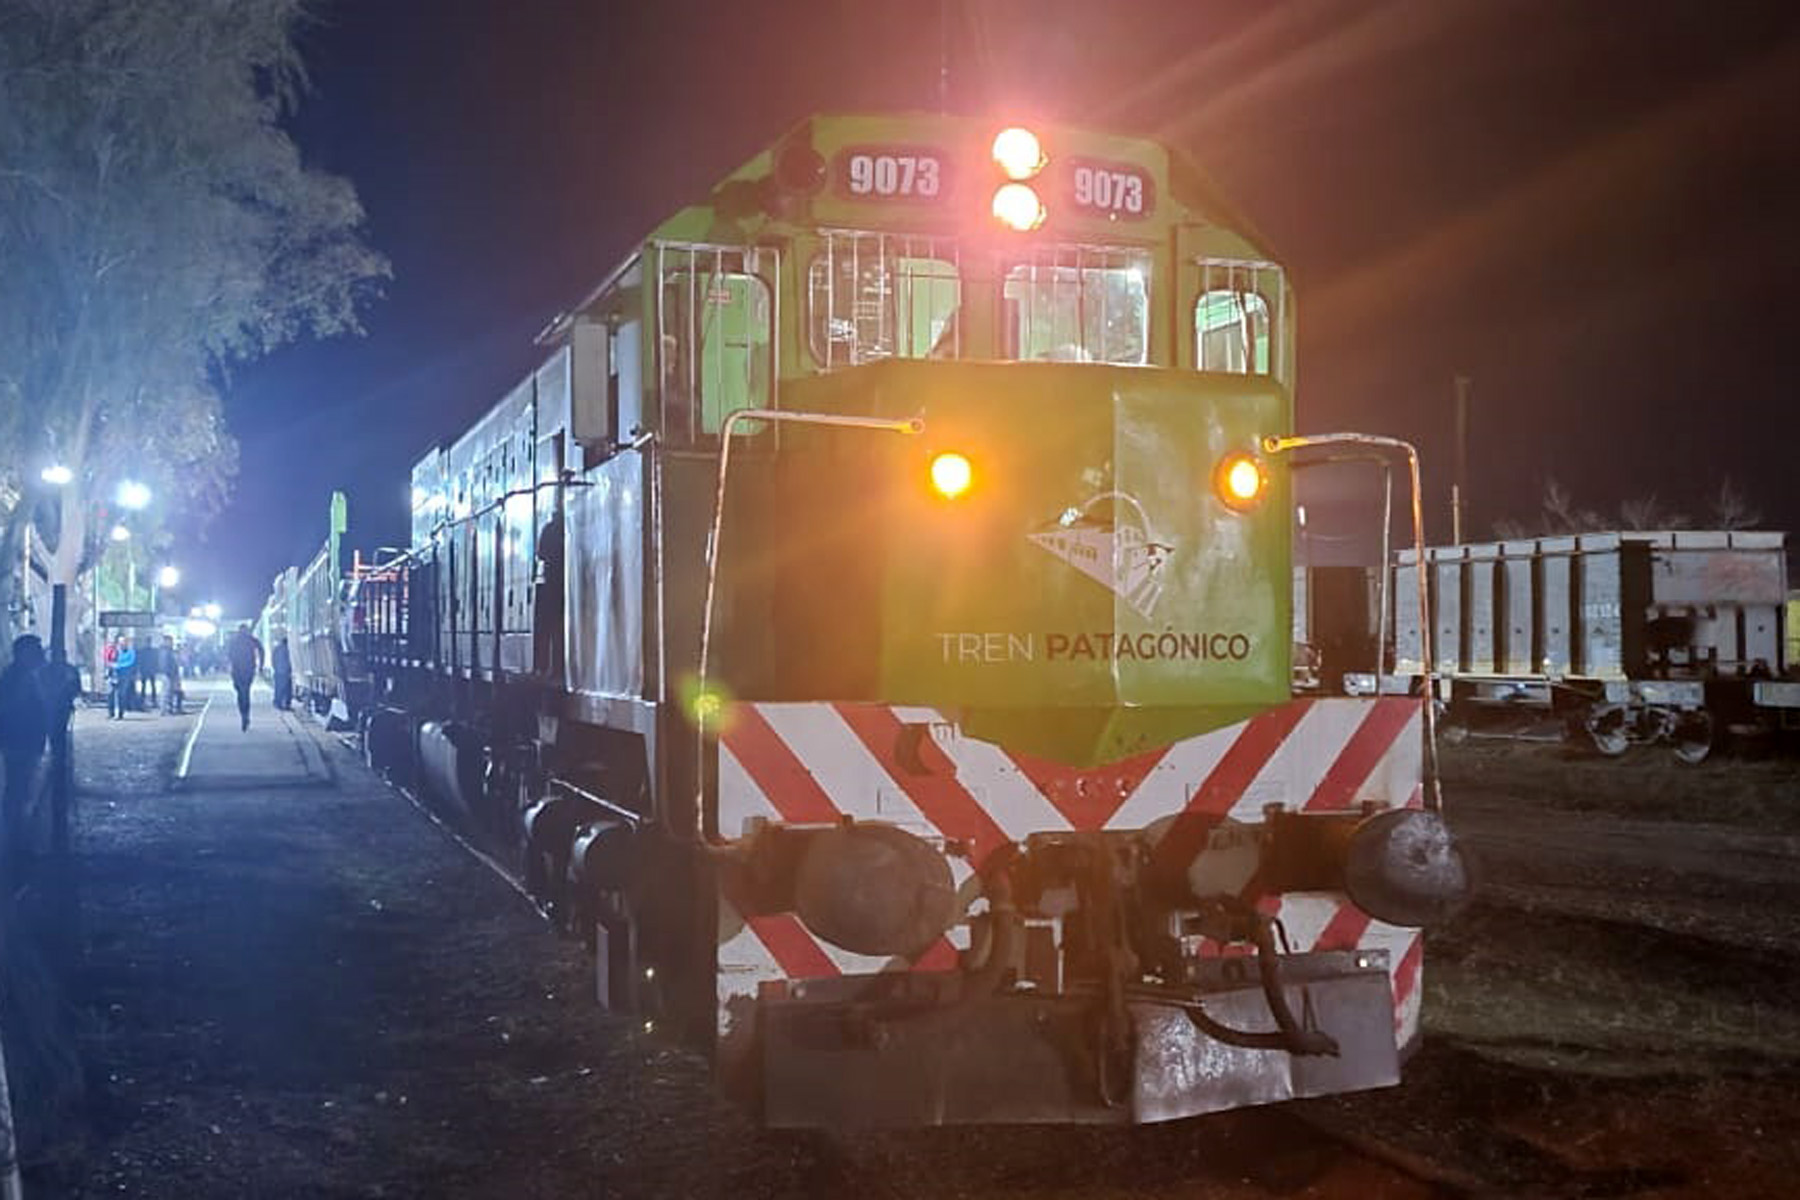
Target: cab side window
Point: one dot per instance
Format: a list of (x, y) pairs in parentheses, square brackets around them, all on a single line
[(1231, 333), (1237, 318), (714, 347)]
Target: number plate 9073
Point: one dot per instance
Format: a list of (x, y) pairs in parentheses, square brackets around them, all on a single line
[(1110, 189), (899, 173)]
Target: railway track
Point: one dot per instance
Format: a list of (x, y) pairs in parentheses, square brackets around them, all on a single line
[(1408, 1144)]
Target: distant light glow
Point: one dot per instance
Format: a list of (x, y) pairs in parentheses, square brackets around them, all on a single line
[(57, 475), (951, 475), (1017, 206), (133, 494), (213, 612), (1018, 152), (121, 534), (199, 627), (168, 577)]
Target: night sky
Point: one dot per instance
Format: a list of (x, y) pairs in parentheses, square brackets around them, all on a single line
[(1586, 207)]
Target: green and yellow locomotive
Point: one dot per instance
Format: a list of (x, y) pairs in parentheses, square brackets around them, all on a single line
[(872, 625)]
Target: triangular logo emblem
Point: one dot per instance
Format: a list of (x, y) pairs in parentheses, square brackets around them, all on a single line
[(1123, 558)]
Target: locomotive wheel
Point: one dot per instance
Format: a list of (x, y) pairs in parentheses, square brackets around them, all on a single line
[(1692, 737), (1606, 729)]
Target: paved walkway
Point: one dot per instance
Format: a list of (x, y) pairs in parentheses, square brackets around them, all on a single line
[(275, 752)]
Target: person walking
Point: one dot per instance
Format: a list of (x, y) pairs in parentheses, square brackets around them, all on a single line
[(246, 655), (281, 665), (24, 731), (121, 665), (149, 666), (171, 665)]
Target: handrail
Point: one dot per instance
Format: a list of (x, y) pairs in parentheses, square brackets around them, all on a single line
[(704, 702), (1434, 796)]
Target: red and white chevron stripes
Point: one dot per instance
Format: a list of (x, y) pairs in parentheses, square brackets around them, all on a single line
[(808, 763)]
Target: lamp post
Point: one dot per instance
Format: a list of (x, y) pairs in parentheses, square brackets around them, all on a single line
[(121, 535)]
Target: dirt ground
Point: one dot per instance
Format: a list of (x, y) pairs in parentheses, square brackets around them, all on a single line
[(315, 993)]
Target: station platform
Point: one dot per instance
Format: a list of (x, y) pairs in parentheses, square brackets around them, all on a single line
[(279, 750)]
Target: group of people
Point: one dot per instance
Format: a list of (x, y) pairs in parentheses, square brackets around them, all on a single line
[(132, 674), (36, 696)]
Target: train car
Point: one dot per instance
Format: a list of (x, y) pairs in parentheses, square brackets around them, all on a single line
[(1634, 637), (309, 606), (330, 674), (271, 623), (871, 627)]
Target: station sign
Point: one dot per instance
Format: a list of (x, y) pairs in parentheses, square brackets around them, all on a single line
[(127, 619)]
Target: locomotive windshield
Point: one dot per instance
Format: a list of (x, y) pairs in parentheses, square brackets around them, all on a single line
[(872, 296), (1079, 304)]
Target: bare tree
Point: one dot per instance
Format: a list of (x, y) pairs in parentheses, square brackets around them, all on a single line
[(1559, 508), (1731, 507), (1560, 514), (1647, 512), (157, 224)]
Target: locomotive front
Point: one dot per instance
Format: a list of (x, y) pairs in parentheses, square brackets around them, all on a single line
[(1015, 814)]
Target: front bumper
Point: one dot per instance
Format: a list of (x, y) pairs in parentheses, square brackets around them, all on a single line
[(833, 1056)]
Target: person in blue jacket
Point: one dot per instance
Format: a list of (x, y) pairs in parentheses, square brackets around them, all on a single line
[(121, 667)]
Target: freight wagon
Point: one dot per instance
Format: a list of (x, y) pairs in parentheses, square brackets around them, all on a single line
[(1634, 637)]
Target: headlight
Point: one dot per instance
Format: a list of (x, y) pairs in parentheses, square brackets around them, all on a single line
[(1017, 206), (1018, 153), (1240, 482), (951, 475)]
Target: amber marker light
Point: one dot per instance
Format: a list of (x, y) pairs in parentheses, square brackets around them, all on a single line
[(1016, 206), (951, 475), (1018, 152), (1239, 482)]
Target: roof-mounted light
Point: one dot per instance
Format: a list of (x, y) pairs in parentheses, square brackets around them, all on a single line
[(1018, 152)]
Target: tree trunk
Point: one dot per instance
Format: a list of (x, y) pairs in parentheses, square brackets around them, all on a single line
[(65, 567)]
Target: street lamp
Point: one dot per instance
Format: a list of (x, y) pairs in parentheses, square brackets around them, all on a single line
[(132, 494), (121, 534), (57, 475), (166, 578)]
